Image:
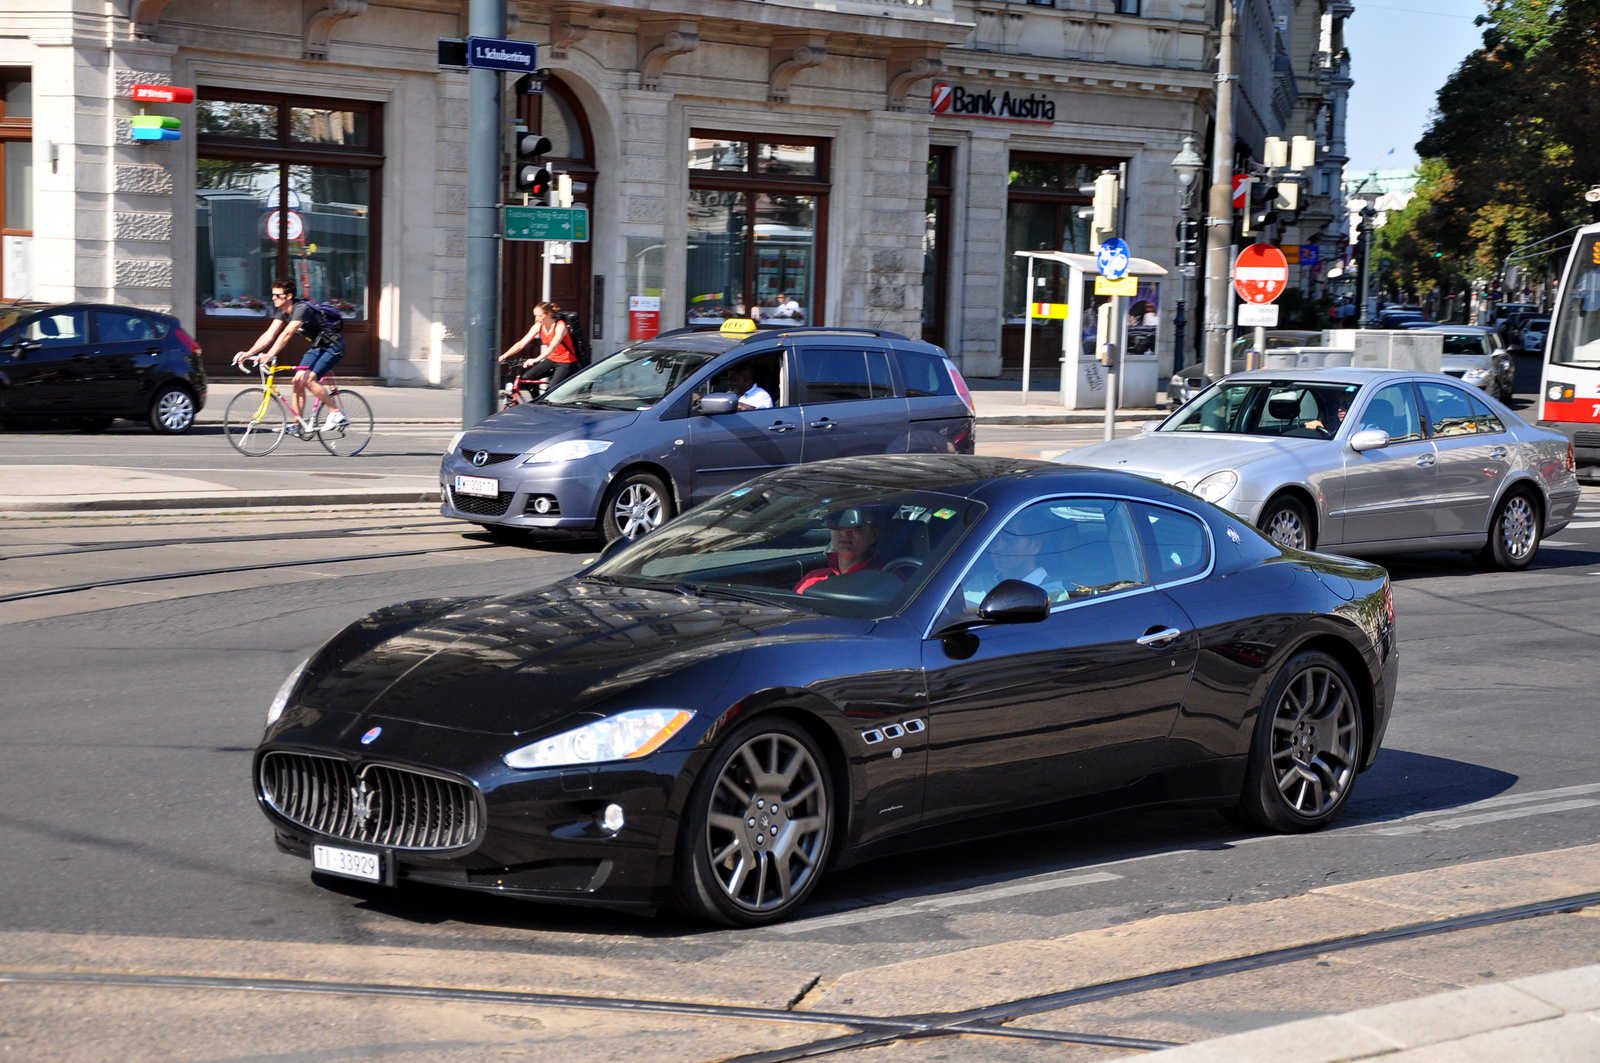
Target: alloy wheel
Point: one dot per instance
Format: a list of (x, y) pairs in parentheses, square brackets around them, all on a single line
[(1314, 735), (637, 510), (767, 826), (1518, 527), (1287, 529)]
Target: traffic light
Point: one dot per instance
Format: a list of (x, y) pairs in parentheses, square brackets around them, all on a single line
[(528, 174), (1104, 224)]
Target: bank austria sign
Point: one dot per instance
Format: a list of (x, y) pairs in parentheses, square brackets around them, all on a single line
[(953, 99)]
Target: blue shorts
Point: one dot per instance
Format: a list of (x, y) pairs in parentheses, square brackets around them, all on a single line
[(321, 359)]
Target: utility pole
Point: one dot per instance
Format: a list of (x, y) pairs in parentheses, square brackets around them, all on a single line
[(486, 18), (1219, 207)]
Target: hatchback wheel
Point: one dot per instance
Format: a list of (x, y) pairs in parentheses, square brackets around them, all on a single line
[(758, 826), (637, 503), (1287, 523), (172, 411), (1514, 533), (1307, 747)]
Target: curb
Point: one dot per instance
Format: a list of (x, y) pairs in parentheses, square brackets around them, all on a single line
[(1068, 417), (234, 500)]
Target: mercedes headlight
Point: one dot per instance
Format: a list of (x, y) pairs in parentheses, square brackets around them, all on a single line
[(455, 441), (1217, 486), (570, 450), (625, 736), (280, 700)]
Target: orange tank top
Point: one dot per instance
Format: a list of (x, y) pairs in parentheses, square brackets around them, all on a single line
[(562, 353)]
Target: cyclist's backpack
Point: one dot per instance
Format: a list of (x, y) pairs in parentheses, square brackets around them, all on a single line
[(332, 320), (580, 339)]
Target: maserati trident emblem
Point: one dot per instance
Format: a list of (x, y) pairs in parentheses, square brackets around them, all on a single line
[(480, 459), (363, 803), (371, 736)]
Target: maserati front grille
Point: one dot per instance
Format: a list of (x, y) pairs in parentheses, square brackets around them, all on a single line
[(375, 804)]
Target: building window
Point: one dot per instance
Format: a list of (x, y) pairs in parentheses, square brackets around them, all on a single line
[(1127, 7), (16, 184), (757, 224), (936, 244)]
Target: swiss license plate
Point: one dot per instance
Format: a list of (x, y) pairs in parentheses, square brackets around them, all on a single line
[(478, 485), (351, 863)]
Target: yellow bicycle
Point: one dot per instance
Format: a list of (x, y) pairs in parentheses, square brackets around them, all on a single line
[(257, 419)]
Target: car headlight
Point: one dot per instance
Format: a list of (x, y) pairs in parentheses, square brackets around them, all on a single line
[(625, 736), (280, 700), (570, 450), (1217, 486), (1475, 376), (455, 441)]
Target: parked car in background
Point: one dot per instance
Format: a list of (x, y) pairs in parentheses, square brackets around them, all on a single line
[(1189, 381), (1511, 328), (626, 443), (88, 364), (1534, 334), (1362, 461), (1476, 356), (1394, 319), (713, 717)]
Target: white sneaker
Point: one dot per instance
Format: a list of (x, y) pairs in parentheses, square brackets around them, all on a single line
[(336, 419)]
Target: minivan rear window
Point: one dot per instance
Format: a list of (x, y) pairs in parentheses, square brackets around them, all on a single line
[(924, 374)]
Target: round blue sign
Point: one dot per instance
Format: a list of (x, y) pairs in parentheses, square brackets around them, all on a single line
[(1113, 258)]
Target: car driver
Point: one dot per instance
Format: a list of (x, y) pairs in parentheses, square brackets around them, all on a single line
[(742, 382), (852, 547)]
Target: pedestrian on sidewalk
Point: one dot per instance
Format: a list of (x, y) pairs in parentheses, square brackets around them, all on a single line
[(557, 359), (297, 317)]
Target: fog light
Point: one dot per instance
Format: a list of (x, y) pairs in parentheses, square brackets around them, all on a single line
[(612, 819), (541, 504)]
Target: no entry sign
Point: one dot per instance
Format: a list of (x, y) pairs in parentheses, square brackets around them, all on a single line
[(1260, 273)]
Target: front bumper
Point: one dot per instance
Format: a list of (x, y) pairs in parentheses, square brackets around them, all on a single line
[(572, 490), (541, 836)]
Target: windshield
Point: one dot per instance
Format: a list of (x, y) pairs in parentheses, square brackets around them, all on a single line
[(1304, 409), (1470, 343), (1576, 340), (634, 379), (839, 549)]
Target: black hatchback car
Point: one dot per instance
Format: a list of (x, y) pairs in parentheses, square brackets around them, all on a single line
[(88, 364)]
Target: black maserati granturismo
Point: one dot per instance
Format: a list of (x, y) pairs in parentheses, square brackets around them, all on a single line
[(829, 663)]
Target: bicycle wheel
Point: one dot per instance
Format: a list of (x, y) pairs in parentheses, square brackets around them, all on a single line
[(255, 422), (350, 438)]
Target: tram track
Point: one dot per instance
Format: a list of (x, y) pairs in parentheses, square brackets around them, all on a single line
[(113, 545), (870, 1030)]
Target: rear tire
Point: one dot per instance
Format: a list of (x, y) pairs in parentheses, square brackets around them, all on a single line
[(351, 438), (172, 412), (1307, 746), (636, 504), (1515, 532), (1286, 522)]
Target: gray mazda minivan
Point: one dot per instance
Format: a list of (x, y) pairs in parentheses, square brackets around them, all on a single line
[(625, 444)]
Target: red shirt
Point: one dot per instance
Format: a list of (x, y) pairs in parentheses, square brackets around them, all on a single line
[(562, 352), (817, 575)]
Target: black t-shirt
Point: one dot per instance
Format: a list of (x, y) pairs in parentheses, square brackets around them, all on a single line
[(310, 321)]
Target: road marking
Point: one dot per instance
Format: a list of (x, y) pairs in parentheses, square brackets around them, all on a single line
[(1403, 825), (934, 904), (1557, 542), (1578, 525), (1489, 817)]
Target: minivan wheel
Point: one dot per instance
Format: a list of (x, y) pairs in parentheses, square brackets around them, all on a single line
[(173, 411), (636, 503)]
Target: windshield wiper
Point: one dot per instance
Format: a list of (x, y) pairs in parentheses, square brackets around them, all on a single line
[(698, 589), (585, 404)]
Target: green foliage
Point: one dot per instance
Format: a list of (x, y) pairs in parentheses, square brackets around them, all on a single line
[(1511, 149), (1295, 311)]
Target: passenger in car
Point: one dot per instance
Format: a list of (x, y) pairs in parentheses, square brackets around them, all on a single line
[(852, 546), (1014, 554)]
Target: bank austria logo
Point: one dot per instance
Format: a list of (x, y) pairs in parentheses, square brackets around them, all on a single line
[(950, 99)]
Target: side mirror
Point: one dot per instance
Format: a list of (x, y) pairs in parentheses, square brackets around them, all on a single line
[(1369, 439), (1014, 601), (1150, 426), (718, 402)]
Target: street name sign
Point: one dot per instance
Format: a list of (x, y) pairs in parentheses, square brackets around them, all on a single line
[(1258, 315), (1260, 273), (547, 223), (495, 53)]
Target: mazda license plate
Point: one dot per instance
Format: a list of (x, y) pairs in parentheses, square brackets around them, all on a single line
[(477, 485), (351, 863)]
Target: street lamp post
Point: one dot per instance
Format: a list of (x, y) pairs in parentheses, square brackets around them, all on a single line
[(1362, 308), (1187, 164)]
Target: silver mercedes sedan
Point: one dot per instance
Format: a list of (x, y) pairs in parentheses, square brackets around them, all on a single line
[(1361, 461)]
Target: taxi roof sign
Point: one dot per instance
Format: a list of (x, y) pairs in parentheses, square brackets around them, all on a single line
[(738, 326)]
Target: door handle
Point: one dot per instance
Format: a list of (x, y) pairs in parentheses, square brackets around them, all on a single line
[(1158, 637), (152, 350), (824, 423), (779, 426), (1425, 461), (1497, 453)]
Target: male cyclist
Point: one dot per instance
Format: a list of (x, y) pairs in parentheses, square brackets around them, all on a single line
[(295, 316)]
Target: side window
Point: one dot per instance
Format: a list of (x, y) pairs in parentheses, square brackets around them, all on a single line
[(924, 374), (835, 374), (1394, 409), (1175, 544), (1074, 548), (757, 380), (62, 329), (882, 384), (125, 328), (1488, 423), (1449, 410)]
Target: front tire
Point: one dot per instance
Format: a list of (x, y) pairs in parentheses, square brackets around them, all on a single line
[(1286, 522), (255, 422), (1515, 532), (1307, 747), (758, 826), (172, 412), (636, 504)]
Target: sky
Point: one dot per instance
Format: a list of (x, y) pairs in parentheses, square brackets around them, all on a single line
[(1401, 52)]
